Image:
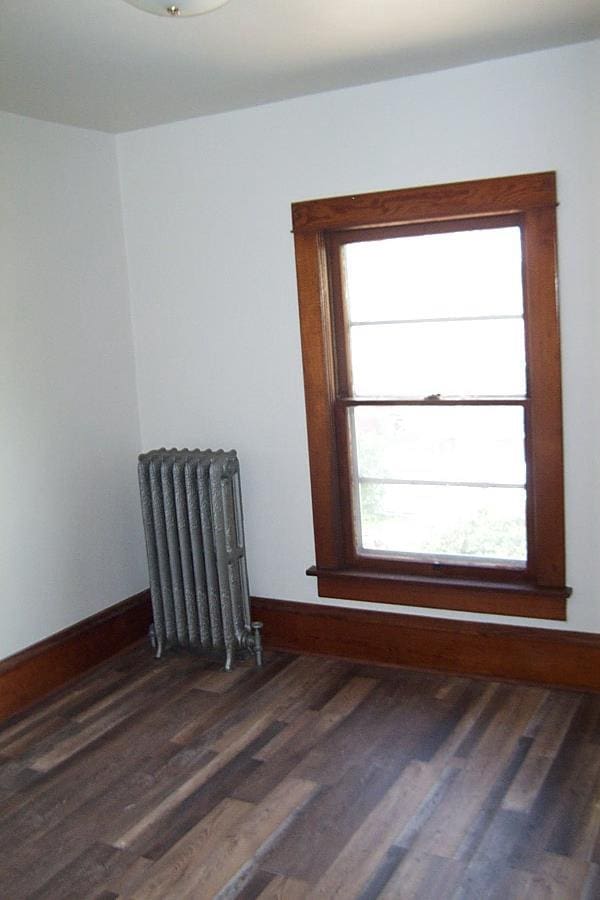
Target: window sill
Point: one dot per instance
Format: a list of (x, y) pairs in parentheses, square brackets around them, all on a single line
[(499, 598)]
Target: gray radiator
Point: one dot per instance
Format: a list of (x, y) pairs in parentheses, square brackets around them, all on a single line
[(192, 513)]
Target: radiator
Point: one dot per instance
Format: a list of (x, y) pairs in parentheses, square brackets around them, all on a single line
[(193, 524)]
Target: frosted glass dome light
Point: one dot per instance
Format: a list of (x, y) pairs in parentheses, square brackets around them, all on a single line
[(181, 8)]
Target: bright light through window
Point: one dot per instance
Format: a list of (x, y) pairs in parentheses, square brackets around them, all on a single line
[(435, 324)]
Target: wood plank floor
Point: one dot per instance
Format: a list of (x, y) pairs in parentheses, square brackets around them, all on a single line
[(309, 778)]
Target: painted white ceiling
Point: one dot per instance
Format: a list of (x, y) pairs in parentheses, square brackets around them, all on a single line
[(105, 64)]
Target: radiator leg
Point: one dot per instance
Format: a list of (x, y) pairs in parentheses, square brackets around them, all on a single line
[(154, 643), (257, 642), (229, 656)]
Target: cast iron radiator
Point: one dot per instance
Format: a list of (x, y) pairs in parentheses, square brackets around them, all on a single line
[(192, 513)]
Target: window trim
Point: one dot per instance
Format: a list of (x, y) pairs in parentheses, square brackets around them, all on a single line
[(539, 590)]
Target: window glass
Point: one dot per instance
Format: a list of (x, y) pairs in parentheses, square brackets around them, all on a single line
[(471, 444), (438, 315), (454, 359), (455, 274), (443, 521)]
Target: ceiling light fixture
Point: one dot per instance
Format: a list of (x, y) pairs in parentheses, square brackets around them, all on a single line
[(181, 8)]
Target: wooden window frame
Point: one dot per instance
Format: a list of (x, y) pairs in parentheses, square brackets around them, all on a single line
[(537, 590)]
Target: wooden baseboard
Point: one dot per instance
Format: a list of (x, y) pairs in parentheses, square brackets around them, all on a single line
[(34, 673), (538, 655)]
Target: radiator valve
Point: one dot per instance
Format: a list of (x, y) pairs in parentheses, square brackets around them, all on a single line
[(255, 642)]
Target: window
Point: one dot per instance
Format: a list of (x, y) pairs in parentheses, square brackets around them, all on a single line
[(432, 381)]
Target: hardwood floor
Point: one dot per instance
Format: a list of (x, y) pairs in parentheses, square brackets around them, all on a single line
[(312, 777)]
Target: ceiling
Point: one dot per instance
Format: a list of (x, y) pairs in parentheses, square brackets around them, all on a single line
[(104, 64)]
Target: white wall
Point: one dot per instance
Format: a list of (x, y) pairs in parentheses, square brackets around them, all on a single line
[(207, 221), (70, 540)]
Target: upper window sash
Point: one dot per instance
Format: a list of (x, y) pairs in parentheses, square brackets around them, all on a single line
[(418, 332)]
